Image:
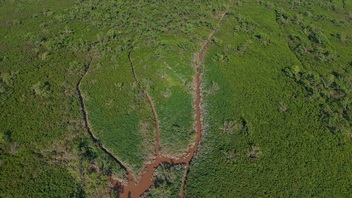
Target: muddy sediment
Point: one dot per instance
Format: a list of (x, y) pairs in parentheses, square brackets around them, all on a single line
[(133, 189)]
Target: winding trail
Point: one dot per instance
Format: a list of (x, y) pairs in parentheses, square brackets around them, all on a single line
[(157, 136), (137, 189), (150, 101), (87, 125), (133, 189)]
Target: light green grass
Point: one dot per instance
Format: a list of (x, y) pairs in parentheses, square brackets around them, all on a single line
[(41, 124), (277, 95), (296, 154), (162, 54)]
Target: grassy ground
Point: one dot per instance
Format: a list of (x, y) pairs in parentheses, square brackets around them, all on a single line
[(268, 135), (161, 54), (46, 48), (119, 114), (277, 93), (167, 181), (44, 147)]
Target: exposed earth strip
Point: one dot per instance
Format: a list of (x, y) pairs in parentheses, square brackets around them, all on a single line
[(133, 189), (150, 101), (137, 189), (87, 125)]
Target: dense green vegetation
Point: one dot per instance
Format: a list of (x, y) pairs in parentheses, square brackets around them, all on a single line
[(44, 147), (167, 182), (278, 103), (161, 54), (276, 90)]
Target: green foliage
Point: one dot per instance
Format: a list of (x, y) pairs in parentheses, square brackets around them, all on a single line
[(24, 176), (167, 181), (276, 92), (41, 123), (294, 96), (331, 92), (53, 183), (41, 89), (161, 54)]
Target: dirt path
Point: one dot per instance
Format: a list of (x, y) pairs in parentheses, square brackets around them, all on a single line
[(87, 125), (150, 101), (157, 136), (133, 189), (198, 104)]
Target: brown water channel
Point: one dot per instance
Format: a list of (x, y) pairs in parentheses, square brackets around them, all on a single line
[(135, 188)]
